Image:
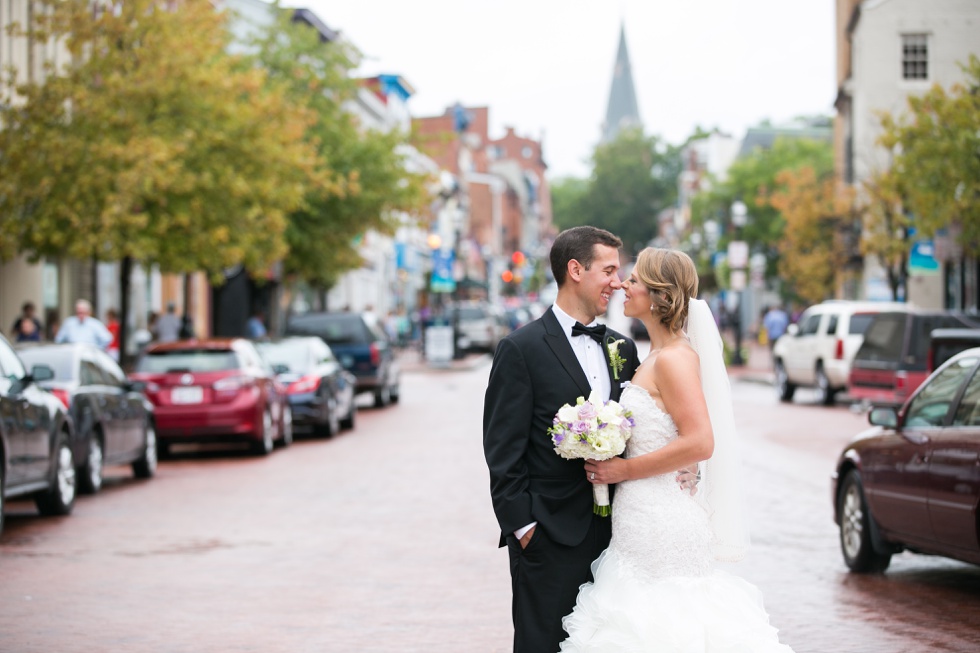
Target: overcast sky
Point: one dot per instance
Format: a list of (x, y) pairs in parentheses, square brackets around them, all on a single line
[(545, 67)]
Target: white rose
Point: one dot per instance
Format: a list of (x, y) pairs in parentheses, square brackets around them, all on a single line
[(567, 414)]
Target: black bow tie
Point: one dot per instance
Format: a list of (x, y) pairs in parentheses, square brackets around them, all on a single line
[(596, 332)]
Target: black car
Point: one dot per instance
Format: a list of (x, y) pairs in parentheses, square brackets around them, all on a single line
[(35, 439), (320, 391), (113, 419), (360, 345)]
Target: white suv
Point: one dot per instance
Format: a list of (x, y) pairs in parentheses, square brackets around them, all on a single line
[(818, 350)]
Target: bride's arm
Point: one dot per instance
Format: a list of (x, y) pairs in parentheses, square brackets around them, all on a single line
[(676, 371)]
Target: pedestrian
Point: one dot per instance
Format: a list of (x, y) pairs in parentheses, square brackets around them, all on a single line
[(775, 322), (255, 326), (27, 328), (186, 327), (168, 325), (83, 328), (543, 503), (657, 587), (112, 324)]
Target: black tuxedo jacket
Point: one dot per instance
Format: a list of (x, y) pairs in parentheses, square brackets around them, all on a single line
[(535, 372)]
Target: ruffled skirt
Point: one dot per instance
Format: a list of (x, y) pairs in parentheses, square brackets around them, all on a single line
[(626, 612)]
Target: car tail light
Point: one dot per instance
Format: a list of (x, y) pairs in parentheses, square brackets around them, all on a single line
[(839, 351), (306, 384), (231, 384), (63, 396), (375, 354)]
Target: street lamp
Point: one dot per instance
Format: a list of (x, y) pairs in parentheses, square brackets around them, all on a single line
[(738, 260)]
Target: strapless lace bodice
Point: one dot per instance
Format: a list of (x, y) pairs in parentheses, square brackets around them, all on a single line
[(657, 526)]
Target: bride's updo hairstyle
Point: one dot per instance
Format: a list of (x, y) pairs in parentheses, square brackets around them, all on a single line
[(672, 280)]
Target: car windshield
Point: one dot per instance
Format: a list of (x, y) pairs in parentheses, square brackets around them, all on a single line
[(931, 404), (60, 360), (337, 328), (293, 355), (470, 313), (922, 327), (188, 360)]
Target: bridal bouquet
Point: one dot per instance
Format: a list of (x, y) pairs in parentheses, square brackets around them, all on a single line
[(592, 429)]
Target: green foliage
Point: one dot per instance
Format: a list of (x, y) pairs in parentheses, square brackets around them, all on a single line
[(151, 143), (365, 180), (567, 196), (753, 179), (936, 167), (633, 178)]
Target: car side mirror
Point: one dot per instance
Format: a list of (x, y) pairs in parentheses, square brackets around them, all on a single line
[(885, 416), (793, 329), (41, 373)]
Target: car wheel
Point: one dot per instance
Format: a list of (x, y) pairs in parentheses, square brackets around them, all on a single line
[(59, 498), (146, 465), (382, 396), (348, 421), (784, 388), (287, 426), (855, 529), (395, 393), (90, 473), (826, 393), (264, 445)]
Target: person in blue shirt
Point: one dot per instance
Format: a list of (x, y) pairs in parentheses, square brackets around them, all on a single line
[(83, 328), (255, 326), (27, 328), (775, 321)]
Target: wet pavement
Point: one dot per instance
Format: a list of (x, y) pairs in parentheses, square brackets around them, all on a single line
[(382, 539)]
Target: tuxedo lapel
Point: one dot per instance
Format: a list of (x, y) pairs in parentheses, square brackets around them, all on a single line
[(558, 342)]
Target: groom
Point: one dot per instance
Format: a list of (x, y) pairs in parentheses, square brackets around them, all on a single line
[(543, 502)]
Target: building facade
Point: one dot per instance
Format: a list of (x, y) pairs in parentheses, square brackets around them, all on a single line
[(888, 50)]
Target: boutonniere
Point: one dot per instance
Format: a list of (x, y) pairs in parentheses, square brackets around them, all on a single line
[(615, 360)]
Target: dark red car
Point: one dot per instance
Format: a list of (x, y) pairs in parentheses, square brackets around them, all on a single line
[(214, 390), (913, 481)]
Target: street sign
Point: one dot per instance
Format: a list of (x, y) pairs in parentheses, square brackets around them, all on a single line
[(439, 344), (738, 254)]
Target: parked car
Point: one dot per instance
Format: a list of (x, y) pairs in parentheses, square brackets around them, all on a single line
[(893, 360), (361, 346), (481, 326), (113, 420), (818, 351), (214, 390), (36, 433), (320, 391), (912, 482)]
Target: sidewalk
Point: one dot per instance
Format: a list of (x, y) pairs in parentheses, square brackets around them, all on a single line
[(411, 361), (758, 367)]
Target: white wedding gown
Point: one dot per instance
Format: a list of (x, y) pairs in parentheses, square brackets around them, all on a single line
[(656, 588)]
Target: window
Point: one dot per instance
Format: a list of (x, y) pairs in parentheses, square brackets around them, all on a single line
[(915, 56), (810, 325), (832, 325), (930, 406), (968, 412)]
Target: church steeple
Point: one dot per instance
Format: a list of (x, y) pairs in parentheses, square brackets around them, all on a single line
[(621, 111)]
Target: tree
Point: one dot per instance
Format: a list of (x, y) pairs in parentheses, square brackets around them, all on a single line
[(567, 195), (936, 165), (753, 179), (151, 144), (633, 179), (886, 227), (368, 183), (812, 250)]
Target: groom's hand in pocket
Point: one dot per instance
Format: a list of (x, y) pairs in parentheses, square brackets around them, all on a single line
[(526, 539)]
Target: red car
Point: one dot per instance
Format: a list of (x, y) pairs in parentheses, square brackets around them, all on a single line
[(214, 390), (913, 481)]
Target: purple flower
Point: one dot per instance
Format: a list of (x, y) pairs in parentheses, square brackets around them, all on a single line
[(558, 438), (587, 411), (579, 427)]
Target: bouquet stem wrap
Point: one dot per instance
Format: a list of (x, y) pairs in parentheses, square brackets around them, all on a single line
[(600, 498)]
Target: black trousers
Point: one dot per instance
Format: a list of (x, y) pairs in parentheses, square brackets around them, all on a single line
[(545, 578)]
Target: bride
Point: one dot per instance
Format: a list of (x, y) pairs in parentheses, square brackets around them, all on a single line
[(656, 588)]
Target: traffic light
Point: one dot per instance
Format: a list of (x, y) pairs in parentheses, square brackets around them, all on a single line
[(518, 258)]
